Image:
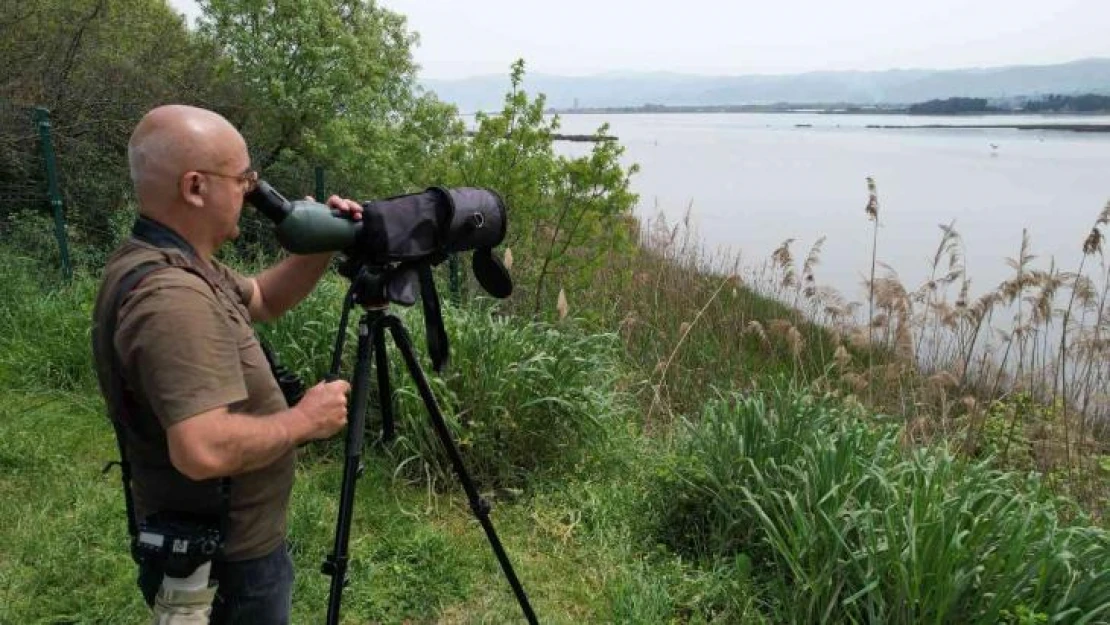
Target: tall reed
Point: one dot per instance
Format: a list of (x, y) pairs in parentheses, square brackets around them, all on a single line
[(872, 211), (1092, 244)]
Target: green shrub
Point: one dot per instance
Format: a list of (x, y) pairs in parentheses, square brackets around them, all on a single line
[(519, 397), (304, 337), (30, 234), (844, 526)]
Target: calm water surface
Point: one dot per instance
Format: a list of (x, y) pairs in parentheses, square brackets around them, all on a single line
[(754, 180)]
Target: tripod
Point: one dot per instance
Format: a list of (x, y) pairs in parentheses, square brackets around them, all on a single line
[(371, 292)]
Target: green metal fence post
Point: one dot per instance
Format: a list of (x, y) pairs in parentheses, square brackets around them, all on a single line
[(320, 184), (42, 120)]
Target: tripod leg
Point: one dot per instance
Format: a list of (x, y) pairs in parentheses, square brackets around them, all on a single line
[(340, 336), (385, 395), (479, 506), (336, 563)]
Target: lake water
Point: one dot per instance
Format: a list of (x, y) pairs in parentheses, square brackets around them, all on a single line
[(754, 180)]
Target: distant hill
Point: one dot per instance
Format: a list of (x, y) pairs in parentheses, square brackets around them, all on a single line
[(883, 87)]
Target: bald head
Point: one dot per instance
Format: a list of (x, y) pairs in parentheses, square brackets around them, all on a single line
[(171, 140)]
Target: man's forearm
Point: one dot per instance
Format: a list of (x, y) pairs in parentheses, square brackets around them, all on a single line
[(231, 443), (247, 453), (285, 284)]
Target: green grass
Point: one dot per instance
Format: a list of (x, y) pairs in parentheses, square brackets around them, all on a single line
[(44, 328), (417, 555), (766, 505), (60, 548), (826, 501)]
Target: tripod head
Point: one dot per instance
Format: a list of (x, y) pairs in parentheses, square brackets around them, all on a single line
[(376, 287)]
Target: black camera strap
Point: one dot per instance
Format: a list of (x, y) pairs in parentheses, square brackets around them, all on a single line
[(434, 332), (120, 407), (118, 411)]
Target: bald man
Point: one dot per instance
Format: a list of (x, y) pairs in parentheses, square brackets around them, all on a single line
[(201, 419)]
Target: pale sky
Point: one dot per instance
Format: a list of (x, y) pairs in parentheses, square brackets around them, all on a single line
[(460, 38)]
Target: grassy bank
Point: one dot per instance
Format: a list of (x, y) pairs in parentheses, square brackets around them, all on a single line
[(706, 459), (418, 555)]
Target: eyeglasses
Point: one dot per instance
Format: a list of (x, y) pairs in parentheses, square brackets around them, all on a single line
[(249, 178)]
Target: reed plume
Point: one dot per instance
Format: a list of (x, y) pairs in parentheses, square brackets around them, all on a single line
[(783, 260), (756, 328), (872, 211), (809, 282), (1081, 288), (949, 245)]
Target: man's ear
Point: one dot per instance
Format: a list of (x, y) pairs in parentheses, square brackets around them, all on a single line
[(192, 188)]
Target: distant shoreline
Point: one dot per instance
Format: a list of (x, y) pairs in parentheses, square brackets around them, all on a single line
[(1061, 127), (565, 137), (1048, 126), (680, 110)]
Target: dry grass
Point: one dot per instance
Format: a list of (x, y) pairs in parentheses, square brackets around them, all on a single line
[(1033, 350), (1019, 370)]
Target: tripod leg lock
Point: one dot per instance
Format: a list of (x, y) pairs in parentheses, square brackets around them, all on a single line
[(481, 506), (335, 566)]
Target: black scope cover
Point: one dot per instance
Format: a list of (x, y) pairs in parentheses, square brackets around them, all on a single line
[(435, 223), (430, 224)]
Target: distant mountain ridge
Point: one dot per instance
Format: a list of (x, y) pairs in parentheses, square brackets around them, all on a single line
[(898, 86)]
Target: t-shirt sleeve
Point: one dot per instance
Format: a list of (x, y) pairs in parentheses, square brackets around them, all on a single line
[(178, 348), (243, 286)]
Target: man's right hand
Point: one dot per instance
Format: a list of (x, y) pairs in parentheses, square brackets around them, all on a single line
[(324, 409)]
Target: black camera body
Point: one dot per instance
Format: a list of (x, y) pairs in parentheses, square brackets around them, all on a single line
[(178, 542), (291, 385)]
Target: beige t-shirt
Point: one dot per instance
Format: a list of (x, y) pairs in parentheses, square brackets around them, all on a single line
[(186, 346)]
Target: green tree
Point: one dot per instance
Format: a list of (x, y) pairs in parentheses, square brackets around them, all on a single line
[(98, 66), (327, 83), (566, 213)]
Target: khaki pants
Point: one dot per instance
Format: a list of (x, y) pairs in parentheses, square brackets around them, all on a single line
[(183, 607)]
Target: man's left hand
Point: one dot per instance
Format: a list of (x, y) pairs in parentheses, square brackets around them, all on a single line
[(349, 208)]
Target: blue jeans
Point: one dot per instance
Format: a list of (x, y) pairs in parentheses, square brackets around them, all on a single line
[(251, 591)]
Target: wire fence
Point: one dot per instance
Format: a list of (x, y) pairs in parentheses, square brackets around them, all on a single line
[(29, 174), (65, 195), (48, 214)]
